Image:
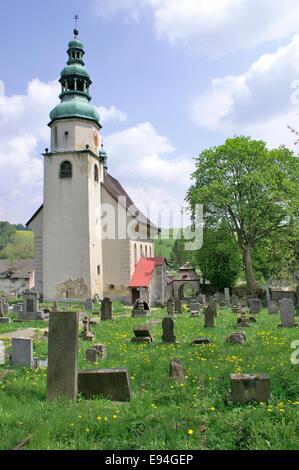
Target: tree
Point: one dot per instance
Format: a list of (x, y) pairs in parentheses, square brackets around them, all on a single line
[(253, 189), (7, 233), (179, 256), (219, 260)]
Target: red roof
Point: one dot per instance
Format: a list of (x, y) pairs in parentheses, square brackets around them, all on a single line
[(144, 270)]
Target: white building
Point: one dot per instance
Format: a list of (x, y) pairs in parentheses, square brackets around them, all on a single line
[(73, 256)]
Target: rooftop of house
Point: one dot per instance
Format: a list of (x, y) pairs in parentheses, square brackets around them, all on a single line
[(144, 269), (22, 269)]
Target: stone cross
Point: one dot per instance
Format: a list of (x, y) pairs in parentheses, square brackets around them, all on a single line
[(168, 330)]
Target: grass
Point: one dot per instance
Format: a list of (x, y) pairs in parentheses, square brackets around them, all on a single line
[(162, 414)]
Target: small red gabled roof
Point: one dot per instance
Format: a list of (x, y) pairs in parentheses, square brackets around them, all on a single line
[(144, 270)]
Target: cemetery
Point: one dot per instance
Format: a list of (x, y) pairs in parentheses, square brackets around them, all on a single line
[(170, 323), (181, 382)]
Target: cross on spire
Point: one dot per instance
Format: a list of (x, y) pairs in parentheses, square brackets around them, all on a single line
[(76, 32)]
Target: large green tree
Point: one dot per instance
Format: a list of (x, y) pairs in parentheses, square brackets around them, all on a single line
[(219, 259), (7, 233), (253, 189)]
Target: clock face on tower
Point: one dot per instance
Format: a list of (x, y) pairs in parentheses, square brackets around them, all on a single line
[(96, 138)]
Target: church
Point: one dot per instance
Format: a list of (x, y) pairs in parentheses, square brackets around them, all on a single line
[(82, 247)]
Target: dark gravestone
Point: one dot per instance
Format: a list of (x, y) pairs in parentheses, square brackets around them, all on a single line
[(168, 330), (98, 351), (63, 355), (86, 334), (111, 383), (140, 308), (22, 352), (195, 308), (272, 308), (209, 314), (255, 306), (235, 301), (213, 305), (142, 335), (106, 309), (177, 370), (247, 388), (29, 305), (201, 341)]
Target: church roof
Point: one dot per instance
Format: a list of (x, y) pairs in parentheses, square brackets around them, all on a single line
[(115, 189), (144, 270)]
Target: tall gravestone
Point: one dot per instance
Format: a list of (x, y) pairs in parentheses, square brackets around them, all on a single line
[(227, 297), (235, 301), (106, 309), (209, 317), (168, 330), (63, 355), (30, 309), (287, 313)]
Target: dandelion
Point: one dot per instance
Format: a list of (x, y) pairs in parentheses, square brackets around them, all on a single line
[(99, 418), (190, 432)]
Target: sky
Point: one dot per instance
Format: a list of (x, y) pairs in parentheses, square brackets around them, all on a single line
[(170, 78)]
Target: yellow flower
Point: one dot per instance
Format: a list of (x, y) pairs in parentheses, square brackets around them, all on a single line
[(212, 408), (114, 417), (99, 418), (190, 432), (87, 430)]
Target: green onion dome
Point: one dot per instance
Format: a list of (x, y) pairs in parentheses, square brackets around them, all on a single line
[(76, 107)]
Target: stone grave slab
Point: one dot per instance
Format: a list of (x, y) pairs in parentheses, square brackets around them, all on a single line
[(111, 383)]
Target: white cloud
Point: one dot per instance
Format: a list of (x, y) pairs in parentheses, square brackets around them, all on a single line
[(149, 168), (23, 134), (257, 102), (214, 27), (112, 113)]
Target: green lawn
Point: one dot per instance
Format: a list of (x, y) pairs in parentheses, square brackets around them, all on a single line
[(162, 413)]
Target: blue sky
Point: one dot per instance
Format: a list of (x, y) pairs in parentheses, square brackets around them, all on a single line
[(171, 77)]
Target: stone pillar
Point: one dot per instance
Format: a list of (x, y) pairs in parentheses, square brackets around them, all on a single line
[(63, 355)]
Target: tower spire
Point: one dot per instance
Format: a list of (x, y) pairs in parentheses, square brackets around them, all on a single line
[(76, 31)]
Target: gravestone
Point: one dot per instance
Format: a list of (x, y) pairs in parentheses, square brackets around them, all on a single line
[(177, 370), (209, 315), (255, 306), (142, 335), (213, 305), (2, 353), (22, 352), (30, 311), (237, 338), (201, 341), (86, 334), (111, 383), (5, 320), (63, 355), (246, 388), (272, 308), (235, 301), (178, 304), (227, 297), (1, 310), (98, 351), (106, 309), (201, 299), (170, 307), (287, 313), (243, 321), (168, 330), (88, 304), (195, 308), (139, 308)]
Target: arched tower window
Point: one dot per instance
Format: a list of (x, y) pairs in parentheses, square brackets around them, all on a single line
[(141, 250), (65, 170), (150, 251), (146, 251), (96, 173)]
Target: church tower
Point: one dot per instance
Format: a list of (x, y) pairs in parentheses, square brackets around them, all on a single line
[(73, 174)]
